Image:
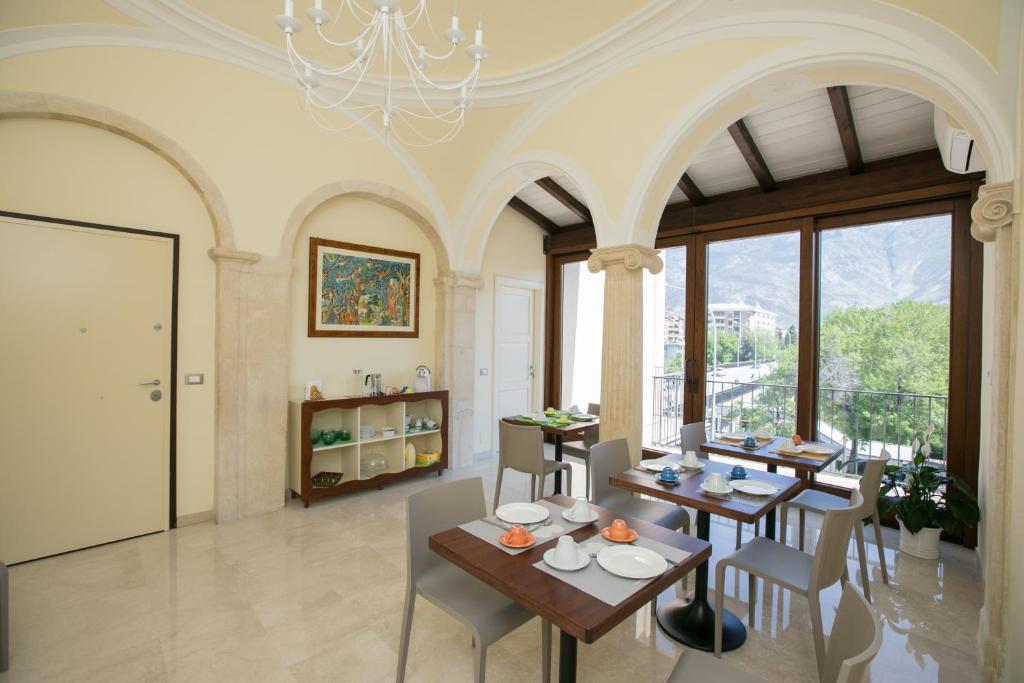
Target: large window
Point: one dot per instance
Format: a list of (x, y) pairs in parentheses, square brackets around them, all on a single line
[(582, 323)]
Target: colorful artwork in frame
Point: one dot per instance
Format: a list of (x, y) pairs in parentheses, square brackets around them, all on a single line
[(361, 291)]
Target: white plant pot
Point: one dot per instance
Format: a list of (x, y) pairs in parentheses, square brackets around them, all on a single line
[(923, 544)]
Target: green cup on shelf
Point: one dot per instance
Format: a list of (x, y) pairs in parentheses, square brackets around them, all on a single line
[(329, 436), (315, 434), (344, 435)]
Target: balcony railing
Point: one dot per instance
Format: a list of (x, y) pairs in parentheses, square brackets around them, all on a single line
[(864, 422)]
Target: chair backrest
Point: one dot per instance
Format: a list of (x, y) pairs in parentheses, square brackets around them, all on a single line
[(871, 481), (692, 436), (855, 640), (594, 409), (521, 447), (591, 436), (608, 458), (436, 509), (830, 553)]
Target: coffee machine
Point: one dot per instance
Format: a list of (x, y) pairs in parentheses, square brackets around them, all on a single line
[(376, 386)]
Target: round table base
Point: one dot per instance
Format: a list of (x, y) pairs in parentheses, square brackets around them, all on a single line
[(693, 624)]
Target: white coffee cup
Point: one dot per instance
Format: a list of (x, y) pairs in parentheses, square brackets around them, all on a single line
[(715, 482), (566, 551), (690, 459), (580, 509)]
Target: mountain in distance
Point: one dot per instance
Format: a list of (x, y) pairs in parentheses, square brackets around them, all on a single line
[(868, 266)]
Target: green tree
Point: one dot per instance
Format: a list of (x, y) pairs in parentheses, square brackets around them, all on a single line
[(728, 345), (674, 364), (760, 343)]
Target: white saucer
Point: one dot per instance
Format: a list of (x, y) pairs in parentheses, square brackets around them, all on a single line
[(713, 492), (582, 560), (522, 513), (593, 517), (548, 531), (699, 466)]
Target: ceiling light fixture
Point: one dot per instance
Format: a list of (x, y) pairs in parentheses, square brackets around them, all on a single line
[(384, 37)]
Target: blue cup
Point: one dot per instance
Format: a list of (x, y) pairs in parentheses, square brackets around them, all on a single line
[(750, 442), (738, 472), (668, 474)]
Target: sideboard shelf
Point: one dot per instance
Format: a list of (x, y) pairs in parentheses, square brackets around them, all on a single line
[(306, 459)]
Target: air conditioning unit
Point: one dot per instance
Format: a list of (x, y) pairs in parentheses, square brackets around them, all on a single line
[(956, 146)]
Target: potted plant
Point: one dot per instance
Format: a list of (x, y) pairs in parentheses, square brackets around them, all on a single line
[(920, 494)]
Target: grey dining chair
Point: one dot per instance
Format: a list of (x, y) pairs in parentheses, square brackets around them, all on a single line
[(611, 457), (790, 568), (855, 640), (810, 500), (691, 437), (581, 449), (488, 613), (521, 448)]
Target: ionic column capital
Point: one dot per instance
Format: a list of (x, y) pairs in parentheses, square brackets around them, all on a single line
[(232, 256), (630, 256), (454, 279), (993, 210)]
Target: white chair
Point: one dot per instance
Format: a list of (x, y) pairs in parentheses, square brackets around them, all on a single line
[(488, 613), (855, 640), (581, 449), (521, 447), (810, 500), (691, 437), (790, 568)]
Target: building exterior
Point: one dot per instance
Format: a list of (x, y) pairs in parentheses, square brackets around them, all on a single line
[(741, 318)]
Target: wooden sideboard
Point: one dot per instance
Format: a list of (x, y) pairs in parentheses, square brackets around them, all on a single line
[(306, 459)]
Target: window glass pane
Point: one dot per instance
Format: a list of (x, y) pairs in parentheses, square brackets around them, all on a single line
[(664, 350), (582, 321), (883, 365), (753, 295)]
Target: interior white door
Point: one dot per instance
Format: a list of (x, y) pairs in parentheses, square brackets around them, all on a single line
[(84, 445), (513, 351)]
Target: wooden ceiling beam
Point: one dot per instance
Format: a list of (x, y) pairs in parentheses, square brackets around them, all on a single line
[(840, 99), (542, 221), (565, 198), (690, 189), (752, 155)]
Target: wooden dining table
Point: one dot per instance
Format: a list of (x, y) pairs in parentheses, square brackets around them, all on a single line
[(693, 623), (577, 614), (571, 431), (805, 466)]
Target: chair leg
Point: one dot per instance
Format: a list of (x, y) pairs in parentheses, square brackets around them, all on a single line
[(803, 521), (881, 548), (533, 487), (719, 605), (814, 605), (497, 487), (403, 647), (757, 527), (752, 594), (586, 473), (545, 650), (568, 481), (480, 663), (685, 529), (858, 532), (739, 534), (784, 530)]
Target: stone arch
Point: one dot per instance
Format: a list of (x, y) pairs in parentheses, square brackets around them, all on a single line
[(791, 71), (15, 104), (491, 192)]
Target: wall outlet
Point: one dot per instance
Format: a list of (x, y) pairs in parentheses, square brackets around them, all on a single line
[(483, 372), (193, 378)]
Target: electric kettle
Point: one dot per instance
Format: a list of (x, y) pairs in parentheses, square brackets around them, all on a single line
[(376, 387)]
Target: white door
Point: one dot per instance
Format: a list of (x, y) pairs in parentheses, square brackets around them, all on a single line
[(84, 446), (513, 351)]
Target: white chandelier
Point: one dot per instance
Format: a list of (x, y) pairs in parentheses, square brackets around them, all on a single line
[(384, 36)]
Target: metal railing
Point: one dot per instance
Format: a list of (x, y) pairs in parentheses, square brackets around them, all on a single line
[(864, 422)]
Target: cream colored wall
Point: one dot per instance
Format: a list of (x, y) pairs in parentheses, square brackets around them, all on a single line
[(70, 170), (332, 359), (515, 249)]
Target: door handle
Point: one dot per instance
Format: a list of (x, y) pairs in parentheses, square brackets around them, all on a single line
[(152, 382), (690, 377)]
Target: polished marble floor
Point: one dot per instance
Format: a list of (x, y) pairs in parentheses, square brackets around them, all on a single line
[(316, 594)]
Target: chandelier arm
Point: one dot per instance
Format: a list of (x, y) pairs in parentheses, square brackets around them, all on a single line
[(325, 126), (343, 43), (429, 142), (327, 104), (353, 6), (418, 10), (416, 70), (341, 70), (407, 34), (426, 105)]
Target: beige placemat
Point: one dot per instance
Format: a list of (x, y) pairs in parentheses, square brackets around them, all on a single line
[(486, 531), (804, 454)]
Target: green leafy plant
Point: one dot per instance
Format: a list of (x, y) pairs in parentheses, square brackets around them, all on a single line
[(922, 494)]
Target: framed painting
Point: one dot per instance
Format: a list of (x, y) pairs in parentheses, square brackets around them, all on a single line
[(360, 291)]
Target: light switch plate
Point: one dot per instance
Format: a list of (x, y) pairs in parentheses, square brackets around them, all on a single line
[(483, 372), (193, 378)]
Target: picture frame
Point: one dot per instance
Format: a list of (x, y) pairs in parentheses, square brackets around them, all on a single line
[(357, 290)]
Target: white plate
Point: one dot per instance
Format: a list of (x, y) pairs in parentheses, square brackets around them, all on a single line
[(715, 492), (698, 466), (548, 531), (582, 560), (725, 436), (522, 513), (632, 562), (659, 465), (753, 487), (817, 450), (593, 517)]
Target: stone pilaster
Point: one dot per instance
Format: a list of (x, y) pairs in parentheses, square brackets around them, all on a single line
[(252, 385), (991, 221), (622, 339), (457, 291)]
